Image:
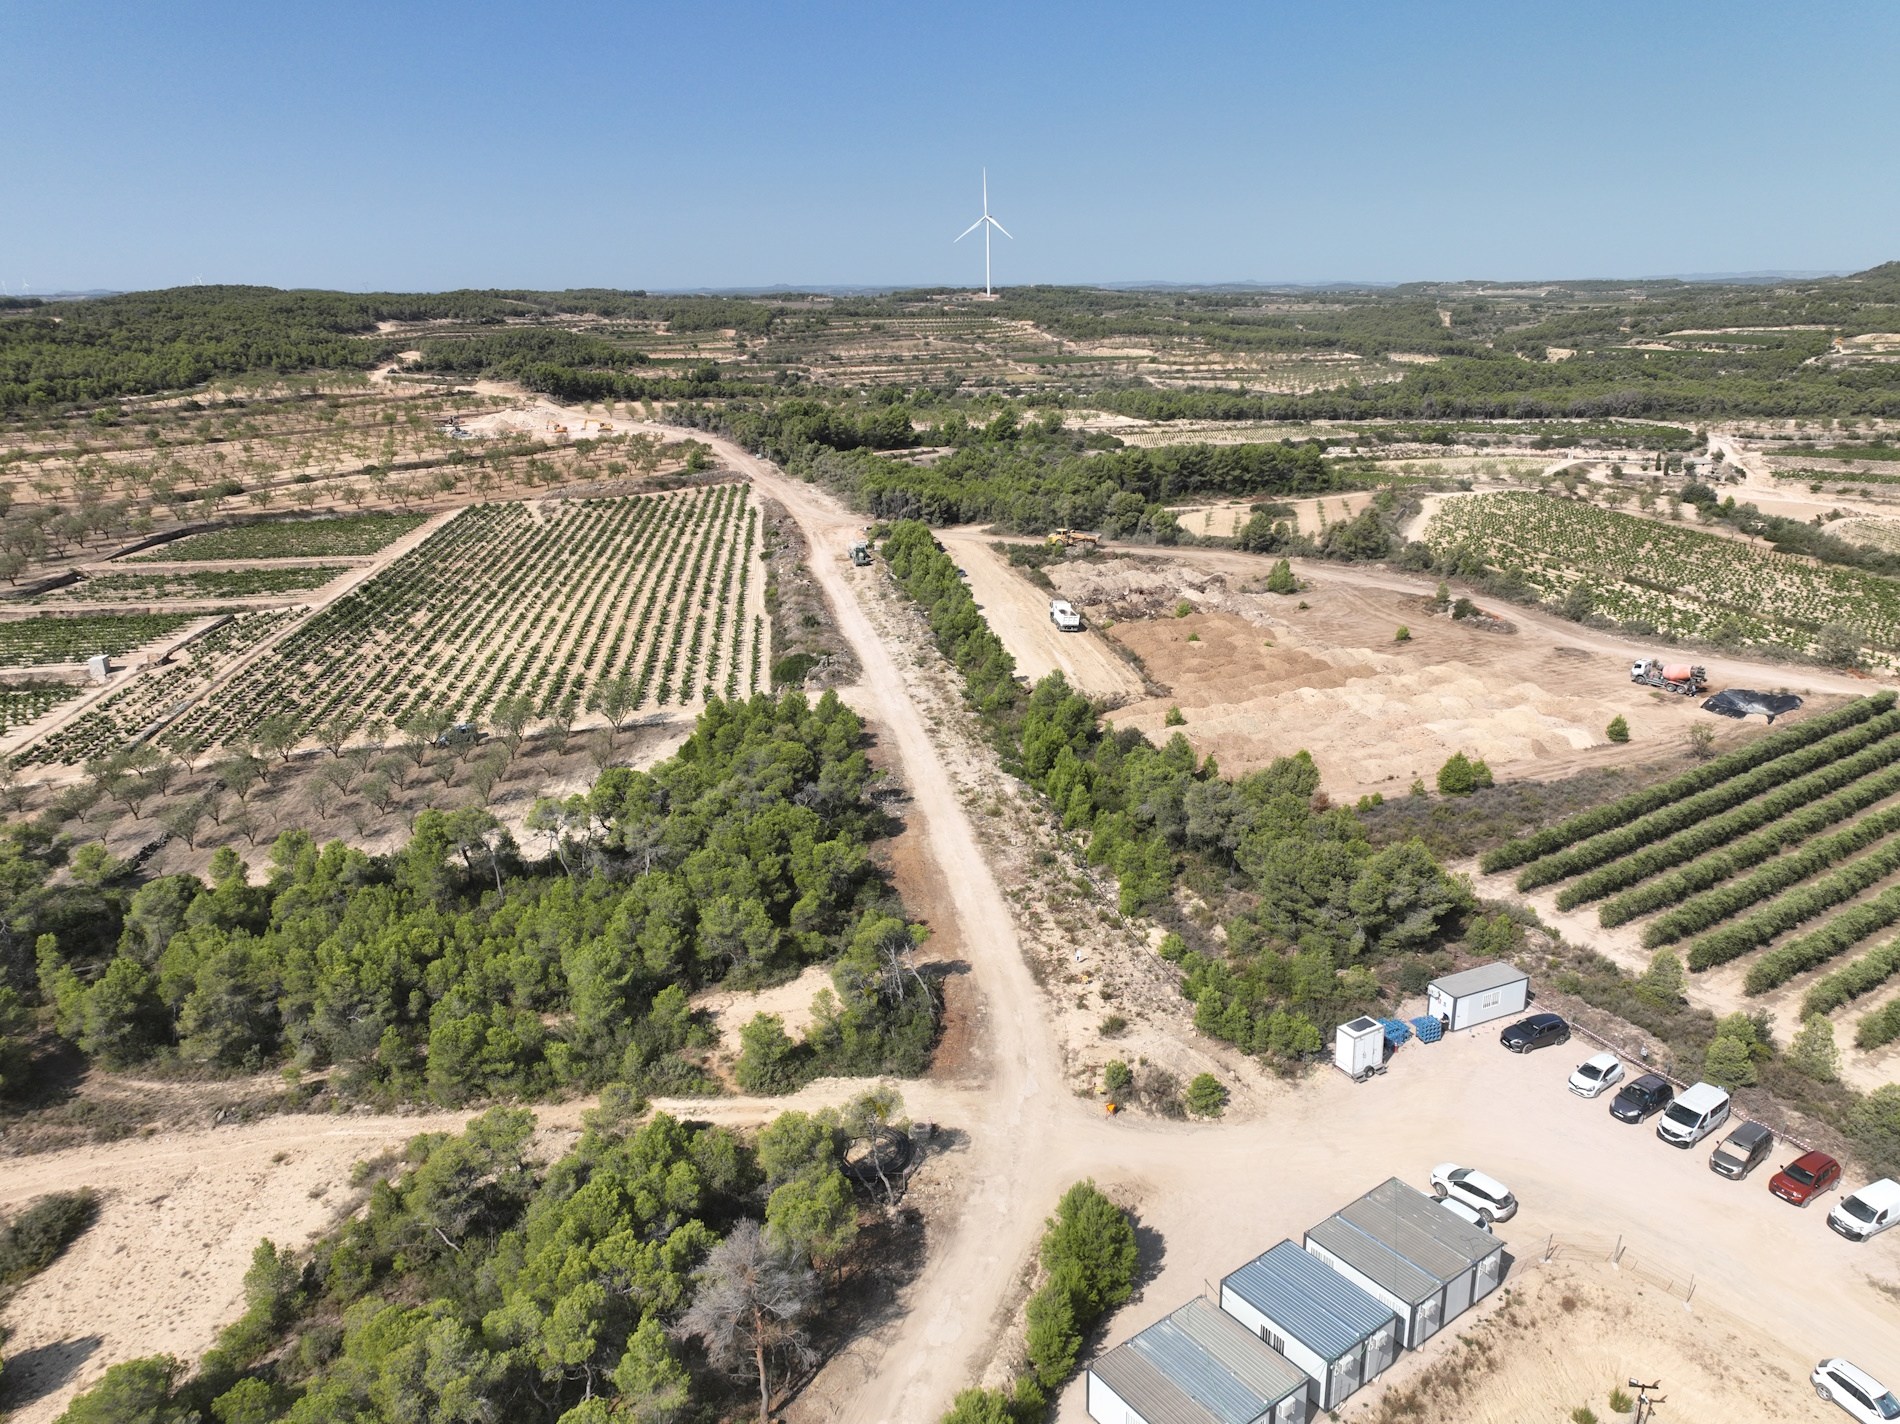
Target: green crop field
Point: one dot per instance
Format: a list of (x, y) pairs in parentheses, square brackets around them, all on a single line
[(1786, 846), (34, 642), (198, 584), (508, 599), (1677, 580), (24, 702), (350, 535)]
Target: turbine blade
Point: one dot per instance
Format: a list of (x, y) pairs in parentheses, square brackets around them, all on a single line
[(970, 229), (1000, 228)]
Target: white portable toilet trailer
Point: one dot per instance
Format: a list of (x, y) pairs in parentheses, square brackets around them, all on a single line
[(1478, 995), (100, 666), (1359, 1046), (1341, 1336)]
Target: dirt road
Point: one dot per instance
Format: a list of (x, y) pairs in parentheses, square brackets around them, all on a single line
[(1019, 613), (1209, 1196)]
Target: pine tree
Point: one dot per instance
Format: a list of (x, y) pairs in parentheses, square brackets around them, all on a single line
[(1813, 1051), (1664, 982)]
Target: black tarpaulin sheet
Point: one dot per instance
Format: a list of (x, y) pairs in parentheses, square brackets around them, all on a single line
[(1738, 702)]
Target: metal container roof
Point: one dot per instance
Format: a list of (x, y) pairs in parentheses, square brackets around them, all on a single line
[(1376, 1259), (1199, 1366), (1309, 1301), (1478, 979), (1395, 1198)]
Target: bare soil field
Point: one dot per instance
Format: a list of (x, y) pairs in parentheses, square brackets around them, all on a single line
[(1310, 516), (1256, 676)]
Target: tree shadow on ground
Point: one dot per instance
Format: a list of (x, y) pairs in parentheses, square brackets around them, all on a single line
[(33, 1374)]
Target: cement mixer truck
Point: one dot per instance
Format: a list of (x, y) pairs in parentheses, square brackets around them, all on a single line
[(1670, 677)]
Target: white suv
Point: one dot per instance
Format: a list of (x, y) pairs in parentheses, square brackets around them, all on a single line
[(1856, 1391), (1487, 1196)]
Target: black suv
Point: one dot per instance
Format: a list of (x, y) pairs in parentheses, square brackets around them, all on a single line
[(1644, 1098), (1537, 1031)]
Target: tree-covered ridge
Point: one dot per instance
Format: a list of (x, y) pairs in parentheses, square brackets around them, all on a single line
[(457, 968), (1023, 475), (660, 1271), (139, 343)]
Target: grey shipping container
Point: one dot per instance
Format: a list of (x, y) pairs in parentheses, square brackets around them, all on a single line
[(1342, 1336), (1196, 1366)]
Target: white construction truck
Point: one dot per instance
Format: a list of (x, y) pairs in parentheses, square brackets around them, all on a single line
[(1065, 617), (1670, 677)]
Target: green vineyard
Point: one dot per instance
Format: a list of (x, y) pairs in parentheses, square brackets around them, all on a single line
[(547, 600), (1787, 849), (1674, 579)]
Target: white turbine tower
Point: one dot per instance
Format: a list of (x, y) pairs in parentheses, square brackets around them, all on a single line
[(986, 222)]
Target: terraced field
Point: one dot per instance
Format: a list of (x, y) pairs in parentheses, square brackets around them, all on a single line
[(1676, 580), (1785, 853), (352, 534)]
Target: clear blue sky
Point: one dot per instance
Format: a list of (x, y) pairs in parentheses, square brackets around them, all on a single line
[(419, 145)]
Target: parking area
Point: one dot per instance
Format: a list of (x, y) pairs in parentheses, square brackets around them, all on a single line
[(1773, 1289)]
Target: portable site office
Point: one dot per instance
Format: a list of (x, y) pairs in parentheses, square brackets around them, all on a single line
[(1408, 1252), (1478, 995), (1341, 1336), (1196, 1366)]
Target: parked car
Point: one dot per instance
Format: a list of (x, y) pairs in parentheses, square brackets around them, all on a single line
[(1467, 1214), (1805, 1178), (1700, 1110), (460, 734), (1642, 1099), (1742, 1151), (1594, 1075), (1856, 1391), (1867, 1212), (1537, 1031), (1487, 1196)]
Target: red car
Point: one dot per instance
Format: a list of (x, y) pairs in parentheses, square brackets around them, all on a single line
[(1805, 1178)]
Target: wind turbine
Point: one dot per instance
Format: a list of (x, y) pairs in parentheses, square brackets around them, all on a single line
[(986, 222)]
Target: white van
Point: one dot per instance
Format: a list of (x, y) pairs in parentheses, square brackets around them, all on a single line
[(1696, 1112), (1867, 1212)]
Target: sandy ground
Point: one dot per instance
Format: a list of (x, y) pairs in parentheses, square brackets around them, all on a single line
[(1021, 620), (1310, 516)]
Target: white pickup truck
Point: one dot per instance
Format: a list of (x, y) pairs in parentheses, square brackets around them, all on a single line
[(1064, 616)]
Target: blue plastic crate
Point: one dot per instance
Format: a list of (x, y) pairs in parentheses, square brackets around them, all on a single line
[(1396, 1031), (1430, 1028)]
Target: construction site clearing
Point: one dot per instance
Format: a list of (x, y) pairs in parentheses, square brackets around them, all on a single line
[(1255, 675)]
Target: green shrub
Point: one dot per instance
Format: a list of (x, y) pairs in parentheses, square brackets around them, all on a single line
[(790, 670), (1728, 1063), (1404, 635), (1620, 1403), (1206, 1096), (1618, 730), (32, 1241), (1280, 578), (1461, 775), (1112, 1026), (770, 1060), (1117, 1077), (1174, 718)]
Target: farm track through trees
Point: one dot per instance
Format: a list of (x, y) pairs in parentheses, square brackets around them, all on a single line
[(548, 600)]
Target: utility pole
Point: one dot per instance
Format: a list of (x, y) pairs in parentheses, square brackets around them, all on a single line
[(1645, 1406)]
